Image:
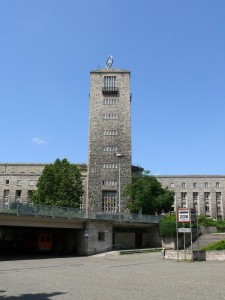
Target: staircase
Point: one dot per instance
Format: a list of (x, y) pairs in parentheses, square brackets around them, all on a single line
[(206, 239)]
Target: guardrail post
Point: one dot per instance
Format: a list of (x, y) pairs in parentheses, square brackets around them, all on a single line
[(68, 213), (35, 210)]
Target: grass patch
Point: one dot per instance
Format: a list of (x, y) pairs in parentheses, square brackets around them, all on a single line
[(220, 245)]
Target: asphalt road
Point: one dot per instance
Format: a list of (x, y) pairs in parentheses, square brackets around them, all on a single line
[(135, 276)]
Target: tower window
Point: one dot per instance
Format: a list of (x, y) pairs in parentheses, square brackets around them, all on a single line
[(109, 82), (110, 166), (109, 101), (110, 149), (110, 117), (110, 85), (109, 183), (109, 201), (110, 132)]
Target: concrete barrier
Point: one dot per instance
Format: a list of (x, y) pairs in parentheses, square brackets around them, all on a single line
[(197, 255)]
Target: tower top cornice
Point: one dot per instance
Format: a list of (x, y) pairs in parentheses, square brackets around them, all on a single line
[(110, 71)]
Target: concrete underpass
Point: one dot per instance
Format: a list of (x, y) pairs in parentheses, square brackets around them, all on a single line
[(22, 236), (28, 235), (16, 240)]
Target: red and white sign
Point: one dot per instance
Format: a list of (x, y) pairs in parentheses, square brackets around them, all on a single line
[(183, 215)]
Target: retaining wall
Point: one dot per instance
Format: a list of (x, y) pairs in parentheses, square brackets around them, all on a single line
[(201, 255)]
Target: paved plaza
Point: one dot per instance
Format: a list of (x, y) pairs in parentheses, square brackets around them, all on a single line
[(135, 276)]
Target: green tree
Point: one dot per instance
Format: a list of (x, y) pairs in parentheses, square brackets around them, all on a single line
[(146, 194), (60, 184)]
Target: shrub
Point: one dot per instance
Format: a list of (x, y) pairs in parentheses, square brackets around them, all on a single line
[(167, 226), (205, 222)]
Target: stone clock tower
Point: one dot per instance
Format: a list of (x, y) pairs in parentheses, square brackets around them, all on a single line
[(109, 155)]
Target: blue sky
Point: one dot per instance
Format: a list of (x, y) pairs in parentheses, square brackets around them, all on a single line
[(175, 50)]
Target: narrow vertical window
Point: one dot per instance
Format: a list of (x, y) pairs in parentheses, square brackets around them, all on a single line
[(217, 184), (109, 201), (184, 199), (207, 202), (18, 196), (195, 201)]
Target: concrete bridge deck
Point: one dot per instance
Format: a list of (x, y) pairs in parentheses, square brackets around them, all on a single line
[(52, 216)]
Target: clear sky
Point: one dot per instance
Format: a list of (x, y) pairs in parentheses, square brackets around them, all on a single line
[(175, 50)]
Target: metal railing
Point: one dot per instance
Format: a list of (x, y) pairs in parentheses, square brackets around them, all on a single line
[(29, 209)]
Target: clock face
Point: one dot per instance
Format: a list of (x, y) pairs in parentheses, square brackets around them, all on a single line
[(109, 62)]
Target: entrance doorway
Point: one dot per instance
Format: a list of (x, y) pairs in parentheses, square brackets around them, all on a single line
[(138, 239)]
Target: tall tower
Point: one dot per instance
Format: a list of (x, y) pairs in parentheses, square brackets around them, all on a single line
[(109, 155)]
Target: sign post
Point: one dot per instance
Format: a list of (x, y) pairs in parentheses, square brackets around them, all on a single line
[(185, 215)]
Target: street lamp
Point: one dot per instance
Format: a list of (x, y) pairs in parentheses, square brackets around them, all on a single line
[(119, 155)]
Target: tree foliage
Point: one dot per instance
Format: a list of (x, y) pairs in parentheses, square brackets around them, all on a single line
[(205, 222), (60, 184), (167, 226), (146, 194)]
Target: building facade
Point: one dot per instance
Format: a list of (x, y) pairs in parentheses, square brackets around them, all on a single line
[(17, 182), (203, 192)]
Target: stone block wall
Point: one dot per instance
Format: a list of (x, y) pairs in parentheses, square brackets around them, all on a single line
[(97, 237)]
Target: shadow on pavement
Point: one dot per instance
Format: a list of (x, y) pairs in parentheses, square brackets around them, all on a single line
[(39, 296)]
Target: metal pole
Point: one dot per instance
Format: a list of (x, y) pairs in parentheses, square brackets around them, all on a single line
[(184, 245), (191, 237), (177, 234), (119, 186), (197, 235), (119, 156)]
